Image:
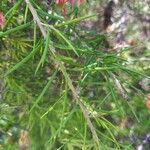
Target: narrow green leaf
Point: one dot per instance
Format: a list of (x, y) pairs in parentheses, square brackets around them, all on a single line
[(76, 20), (44, 90), (52, 107), (26, 13), (21, 27), (65, 39), (11, 12), (18, 65), (13, 8), (43, 58)]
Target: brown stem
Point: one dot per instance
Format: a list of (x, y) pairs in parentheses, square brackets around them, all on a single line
[(59, 64)]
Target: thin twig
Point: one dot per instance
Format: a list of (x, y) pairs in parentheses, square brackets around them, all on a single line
[(63, 70)]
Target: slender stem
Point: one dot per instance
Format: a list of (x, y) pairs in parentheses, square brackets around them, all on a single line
[(63, 70)]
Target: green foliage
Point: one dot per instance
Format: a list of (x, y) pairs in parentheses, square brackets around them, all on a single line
[(37, 97)]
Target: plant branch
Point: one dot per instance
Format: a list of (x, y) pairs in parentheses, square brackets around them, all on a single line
[(59, 65)]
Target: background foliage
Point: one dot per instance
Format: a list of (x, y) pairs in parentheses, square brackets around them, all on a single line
[(50, 85)]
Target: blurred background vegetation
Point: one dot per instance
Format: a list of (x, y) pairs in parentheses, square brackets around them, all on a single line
[(74, 76)]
